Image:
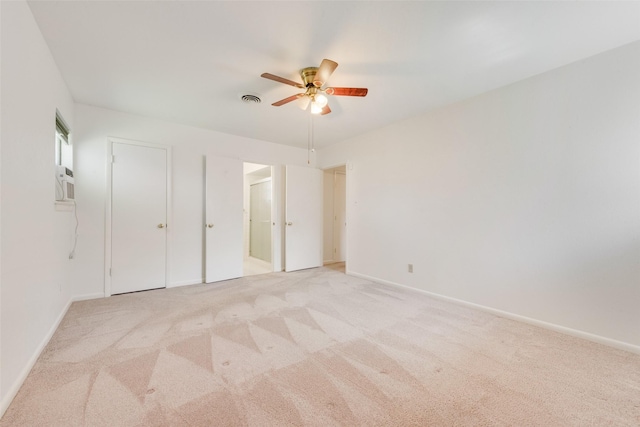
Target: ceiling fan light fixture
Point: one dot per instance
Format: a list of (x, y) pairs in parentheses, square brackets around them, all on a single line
[(316, 108), (313, 81), (303, 102), (321, 100)]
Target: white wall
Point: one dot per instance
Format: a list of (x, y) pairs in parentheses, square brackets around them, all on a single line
[(36, 238), (525, 199), (2, 396), (189, 146)]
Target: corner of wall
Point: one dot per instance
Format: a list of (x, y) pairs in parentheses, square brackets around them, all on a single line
[(37, 287), (620, 345)]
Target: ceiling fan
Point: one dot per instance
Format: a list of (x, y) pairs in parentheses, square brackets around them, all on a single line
[(313, 79)]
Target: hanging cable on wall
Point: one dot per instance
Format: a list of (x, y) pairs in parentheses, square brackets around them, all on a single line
[(72, 254)]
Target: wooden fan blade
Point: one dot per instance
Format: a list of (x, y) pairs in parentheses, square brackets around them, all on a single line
[(281, 80), (325, 110), (327, 67), (287, 100), (347, 91)]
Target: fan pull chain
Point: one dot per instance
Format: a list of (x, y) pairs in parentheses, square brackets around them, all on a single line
[(310, 143)]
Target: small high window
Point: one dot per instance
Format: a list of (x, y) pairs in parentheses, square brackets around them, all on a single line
[(65, 189), (64, 150)]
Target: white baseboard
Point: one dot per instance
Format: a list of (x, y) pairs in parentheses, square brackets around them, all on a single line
[(87, 297), (13, 390), (621, 345), (198, 281)]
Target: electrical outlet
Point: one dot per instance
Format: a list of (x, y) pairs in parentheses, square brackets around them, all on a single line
[(410, 269)]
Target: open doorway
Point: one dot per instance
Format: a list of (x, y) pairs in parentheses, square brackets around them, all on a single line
[(257, 205), (335, 218)]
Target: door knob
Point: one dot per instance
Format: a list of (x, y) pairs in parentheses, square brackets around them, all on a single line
[(209, 225), (289, 223), (160, 225)]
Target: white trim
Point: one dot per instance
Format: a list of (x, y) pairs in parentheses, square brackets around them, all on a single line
[(348, 199), (267, 179), (107, 232), (170, 223), (107, 222), (277, 218), (13, 390), (348, 166), (186, 283), (277, 240), (86, 297), (621, 345)]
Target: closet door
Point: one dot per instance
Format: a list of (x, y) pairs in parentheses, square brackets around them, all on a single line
[(223, 219), (138, 217)]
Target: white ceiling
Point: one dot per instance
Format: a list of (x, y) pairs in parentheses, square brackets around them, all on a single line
[(189, 62)]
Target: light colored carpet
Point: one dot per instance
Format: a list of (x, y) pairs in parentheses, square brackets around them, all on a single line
[(336, 266), (317, 348), (252, 266)]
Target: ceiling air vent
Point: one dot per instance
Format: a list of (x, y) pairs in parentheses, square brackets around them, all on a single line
[(251, 99)]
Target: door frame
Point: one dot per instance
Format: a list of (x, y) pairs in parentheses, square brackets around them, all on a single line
[(348, 168), (340, 230), (107, 233), (262, 181), (277, 213)]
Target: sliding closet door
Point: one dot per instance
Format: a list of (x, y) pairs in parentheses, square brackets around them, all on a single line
[(260, 220), (223, 219), (303, 213)]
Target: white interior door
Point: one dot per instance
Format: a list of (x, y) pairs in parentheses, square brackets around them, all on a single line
[(303, 218), (277, 217), (223, 227), (138, 218), (340, 217)]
